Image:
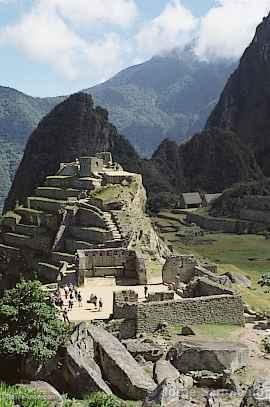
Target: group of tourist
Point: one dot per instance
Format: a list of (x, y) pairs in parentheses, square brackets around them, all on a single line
[(65, 298)]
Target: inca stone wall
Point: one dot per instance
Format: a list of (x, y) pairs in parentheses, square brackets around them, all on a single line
[(147, 316), (224, 225), (221, 309)]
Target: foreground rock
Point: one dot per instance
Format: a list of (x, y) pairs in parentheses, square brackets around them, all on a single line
[(216, 357), (165, 370), (149, 350), (258, 395), (74, 371), (118, 366), (169, 393), (81, 372), (45, 389)]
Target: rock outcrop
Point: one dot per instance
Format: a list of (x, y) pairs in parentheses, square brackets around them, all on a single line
[(213, 356), (169, 393), (81, 373), (118, 366), (244, 104), (165, 370), (258, 394)]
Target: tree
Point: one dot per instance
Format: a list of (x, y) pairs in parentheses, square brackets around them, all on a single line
[(29, 325)]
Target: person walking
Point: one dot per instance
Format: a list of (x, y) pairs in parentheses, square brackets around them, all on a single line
[(70, 304), (100, 305), (79, 299), (65, 316), (145, 291), (95, 301), (61, 303)]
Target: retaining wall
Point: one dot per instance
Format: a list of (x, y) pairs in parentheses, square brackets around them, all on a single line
[(224, 225), (147, 316)]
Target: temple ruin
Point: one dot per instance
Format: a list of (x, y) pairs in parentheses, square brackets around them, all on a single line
[(87, 220)]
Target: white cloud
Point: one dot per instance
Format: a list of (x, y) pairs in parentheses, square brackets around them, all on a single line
[(44, 36), (118, 12), (228, 28), (172, 28)]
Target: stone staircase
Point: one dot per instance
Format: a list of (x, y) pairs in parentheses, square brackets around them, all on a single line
[(111, 225)]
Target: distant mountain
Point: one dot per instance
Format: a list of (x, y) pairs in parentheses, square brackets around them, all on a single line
[(20, 113), (244, 106), (73, 128), (168, 96), (209, 162)]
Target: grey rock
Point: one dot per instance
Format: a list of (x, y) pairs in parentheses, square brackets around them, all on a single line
[(82, 373), (187, 331), (169, 393), (75, 371), (49, 392), (239, 279), (165, 370), (148, 349), (190, 355), (258, 394), (119, 367)]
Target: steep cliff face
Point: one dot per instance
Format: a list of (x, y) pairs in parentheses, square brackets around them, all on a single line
[(244, 106), (210, 161), (73, 128)]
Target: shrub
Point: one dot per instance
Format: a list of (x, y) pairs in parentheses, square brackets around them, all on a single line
[(104, 400)]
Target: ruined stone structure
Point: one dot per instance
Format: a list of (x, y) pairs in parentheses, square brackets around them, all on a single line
[(137, 317), (87, 220), (197, 296)]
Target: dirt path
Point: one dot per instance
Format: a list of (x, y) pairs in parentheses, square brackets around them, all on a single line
[(252, 336)]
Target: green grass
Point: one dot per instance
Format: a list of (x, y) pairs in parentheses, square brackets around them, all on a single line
[(231, 253), (110, 193), (10, 396), (211, 331)]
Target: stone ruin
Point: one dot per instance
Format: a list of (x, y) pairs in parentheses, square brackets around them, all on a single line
[(197, 295), (87, 220)]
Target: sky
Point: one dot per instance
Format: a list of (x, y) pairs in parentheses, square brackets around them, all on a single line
[(56, 47)]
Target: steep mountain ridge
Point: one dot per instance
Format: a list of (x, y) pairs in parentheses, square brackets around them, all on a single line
[(244, 105), (73, 128)]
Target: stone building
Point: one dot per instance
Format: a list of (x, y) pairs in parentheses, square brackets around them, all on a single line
[(90, 215), (209, 198), (189, 200)]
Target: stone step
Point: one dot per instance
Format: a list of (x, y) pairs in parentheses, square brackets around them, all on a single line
[(29, 230), (9, 250), (57, 257), (20, 240), (71, 245), (45, 204)]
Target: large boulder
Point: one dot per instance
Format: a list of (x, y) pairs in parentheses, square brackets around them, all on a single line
[(47, 391), (74, 370), (165, 370), (118, 366), (81, 372), (169, 393), (258, 394), (215, 356), (148, 349)]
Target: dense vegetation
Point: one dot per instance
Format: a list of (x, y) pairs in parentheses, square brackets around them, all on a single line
[(29, 326), (231, 201)]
